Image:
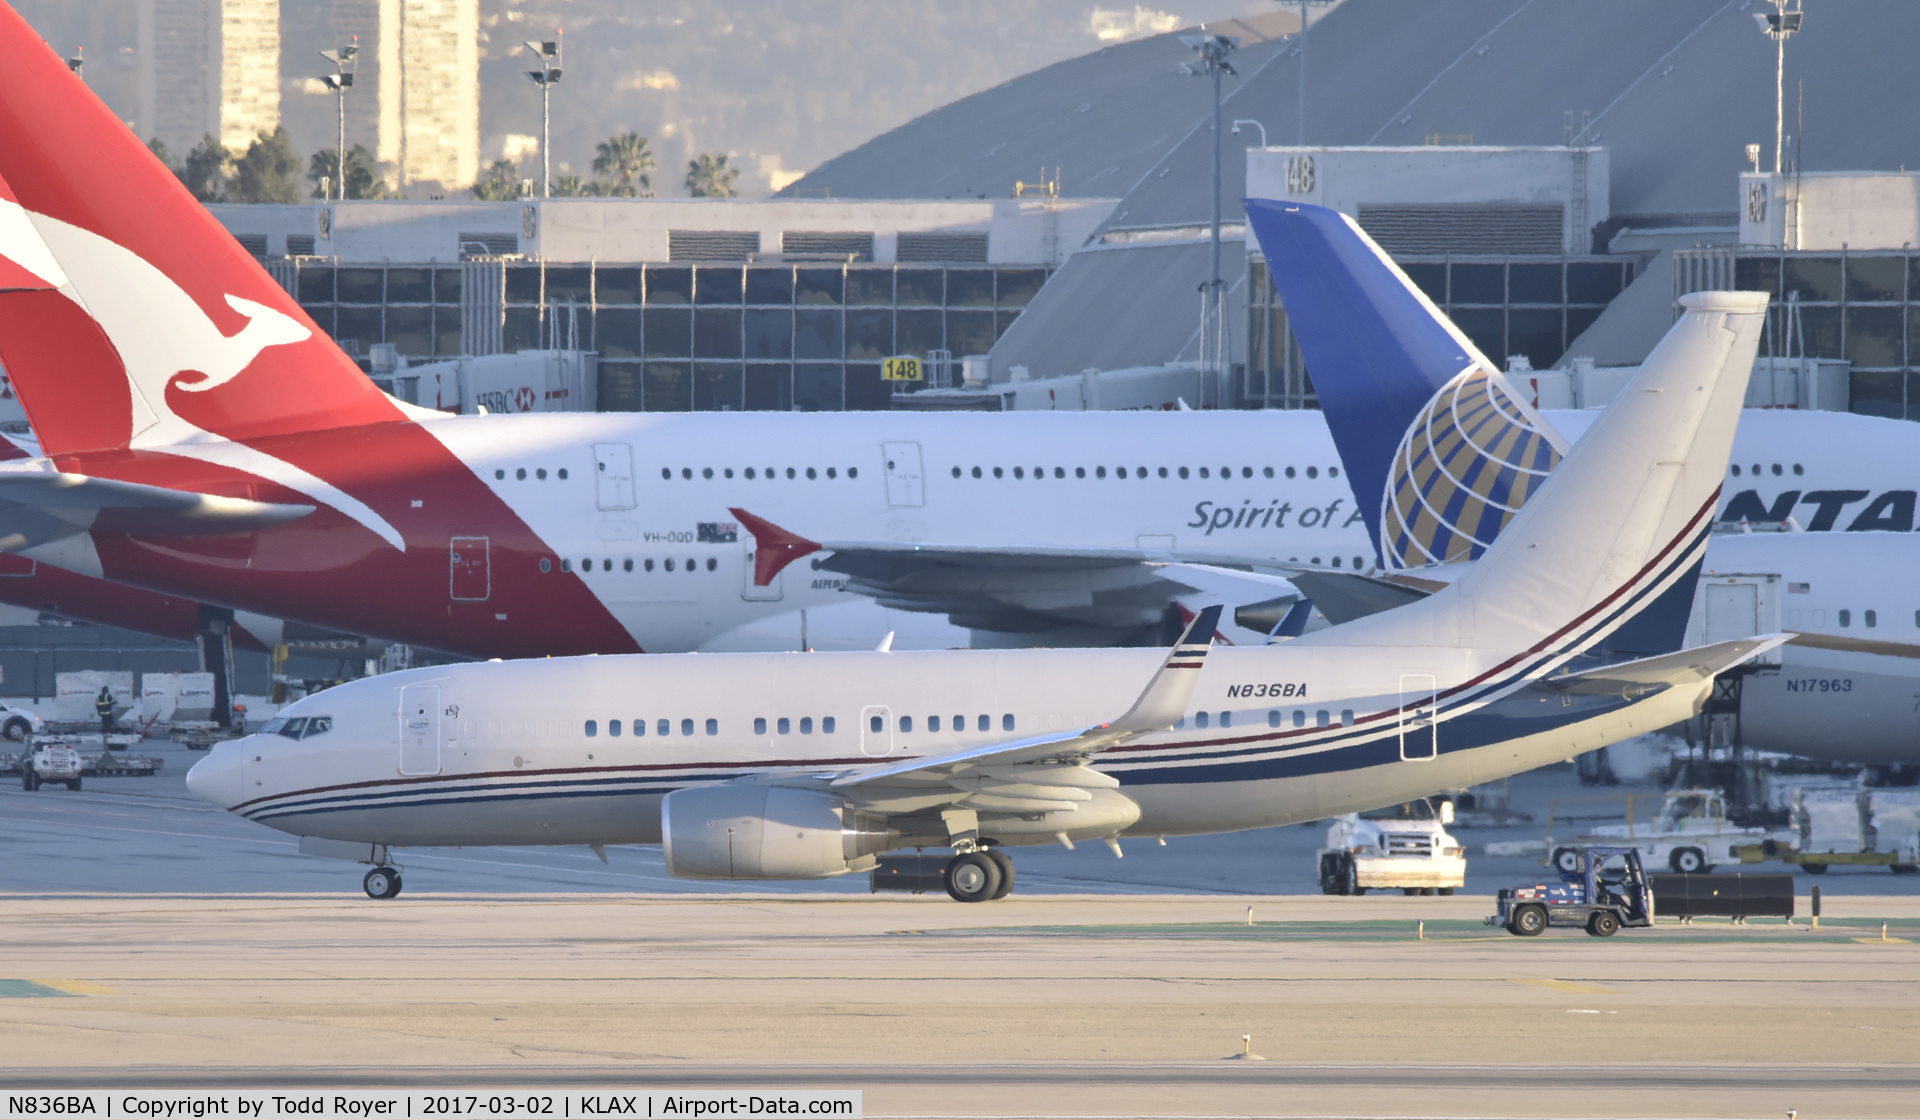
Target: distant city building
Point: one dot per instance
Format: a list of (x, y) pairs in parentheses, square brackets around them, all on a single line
[(415, 102), (209, 67)]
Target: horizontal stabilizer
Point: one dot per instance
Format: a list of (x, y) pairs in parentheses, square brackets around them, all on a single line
[(58, 504), (1688, 666), (1345, 596)]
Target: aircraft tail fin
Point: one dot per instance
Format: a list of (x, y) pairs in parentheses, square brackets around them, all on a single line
[(128, 315), (1441, 451)]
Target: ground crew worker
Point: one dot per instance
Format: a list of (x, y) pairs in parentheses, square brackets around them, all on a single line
[(104, 705)]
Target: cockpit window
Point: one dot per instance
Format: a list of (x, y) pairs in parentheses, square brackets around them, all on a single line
[(318, 725), (292, 728), (1405, 811), (274, 725)]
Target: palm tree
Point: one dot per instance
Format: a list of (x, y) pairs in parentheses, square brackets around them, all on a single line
[(622, 165), (710, 177), (573, 186), (501, 183)]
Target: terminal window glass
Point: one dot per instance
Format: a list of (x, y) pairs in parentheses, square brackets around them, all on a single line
[(668, 333), (1486, 327), (870, 287), (916, 332), (970, 332), (523, 284), (1478, 283), (818, 387), (362, 285), (768, 388), (769, 333), (616, 332), (770, 286), (817, 286), (920, 287), (1593, 283), (1754, 274), (1815, 278), (716, 285), (1019, 285), (1875, 336), (716, 332), (616, 286), (865, 390), (316, 285), (669, 286), (1430, 278), (718, 387), (1868, 279), (817, 335), (563, 284), (970, 287), (409, 285), (361, 324), (410, 329), (521, 329), (668, 387), (1535, 332), (869, 334), (1533, 283)]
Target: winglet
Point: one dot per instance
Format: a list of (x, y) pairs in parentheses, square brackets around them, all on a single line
[(773, 547), (1165, 698)]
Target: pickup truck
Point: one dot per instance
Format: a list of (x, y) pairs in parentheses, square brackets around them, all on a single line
[(1404, 846)]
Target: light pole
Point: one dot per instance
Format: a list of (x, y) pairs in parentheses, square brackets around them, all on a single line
[(339, 81), (1256, 124), (1213, 51), (1301, 138), (1783, 21), (547, 54)]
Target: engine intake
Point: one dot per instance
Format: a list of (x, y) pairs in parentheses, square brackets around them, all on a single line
[(747, 830)]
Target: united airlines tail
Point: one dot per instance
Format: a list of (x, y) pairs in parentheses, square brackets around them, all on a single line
[(128, 316), (1622, 524), (1440, 450)]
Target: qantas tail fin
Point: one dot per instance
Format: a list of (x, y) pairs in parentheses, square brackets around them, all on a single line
[(1440, 450), (128, 315)]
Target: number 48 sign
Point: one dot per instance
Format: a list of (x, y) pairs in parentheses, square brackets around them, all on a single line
[(904, 367)]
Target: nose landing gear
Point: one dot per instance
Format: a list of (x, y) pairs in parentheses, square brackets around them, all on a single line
[(382, 882)]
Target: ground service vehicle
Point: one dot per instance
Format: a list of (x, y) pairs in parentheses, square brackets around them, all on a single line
[(17, 723), (1689, 835), (50, 762), (1607, 890), (1404, 845)]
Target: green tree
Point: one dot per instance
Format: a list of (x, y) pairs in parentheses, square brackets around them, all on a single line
[(623, 164), (205, 172), (269, 172), (362, 179), (159, 149), (501, 183), (710, 177), (573, 186)]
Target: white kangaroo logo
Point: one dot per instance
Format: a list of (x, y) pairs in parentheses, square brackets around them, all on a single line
[(165, 339)]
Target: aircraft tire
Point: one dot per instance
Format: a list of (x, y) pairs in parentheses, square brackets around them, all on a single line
[(972, 877), (1688, 861), (1005, 863), (1528, 921), (382, 883)]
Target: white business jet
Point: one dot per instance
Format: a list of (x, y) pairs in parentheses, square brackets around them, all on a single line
[(800, 766)]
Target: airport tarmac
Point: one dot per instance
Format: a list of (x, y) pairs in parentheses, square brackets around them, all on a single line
[(150, 834), (1085, 1006)]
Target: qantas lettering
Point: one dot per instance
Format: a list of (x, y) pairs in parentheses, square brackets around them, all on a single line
[(1273, 515), (1891, 511), (1249, 691)]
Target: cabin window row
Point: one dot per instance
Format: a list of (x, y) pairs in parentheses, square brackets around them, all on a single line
[(539, 474), (1134, 472), (661, 728), (1754, 469), (686, 473), (646, 564), (1868, 618), (983, 722), (1275, 718)]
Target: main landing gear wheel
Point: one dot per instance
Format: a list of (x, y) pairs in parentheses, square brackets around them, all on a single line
[(382, 882), (1528, 921), (973, 877), (1005, 863), (1602, 923)]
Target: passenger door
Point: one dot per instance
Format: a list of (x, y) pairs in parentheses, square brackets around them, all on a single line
[(906, 484), (613, 476), (420, 729), (470, 570), (1419, 696), (876, 730)]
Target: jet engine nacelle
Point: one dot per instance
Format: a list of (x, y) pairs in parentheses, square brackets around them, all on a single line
[(747, 830)]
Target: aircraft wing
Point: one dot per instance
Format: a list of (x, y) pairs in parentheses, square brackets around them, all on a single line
[(39, 505), (1046, 772), (1061, 595), (1688, 666)]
